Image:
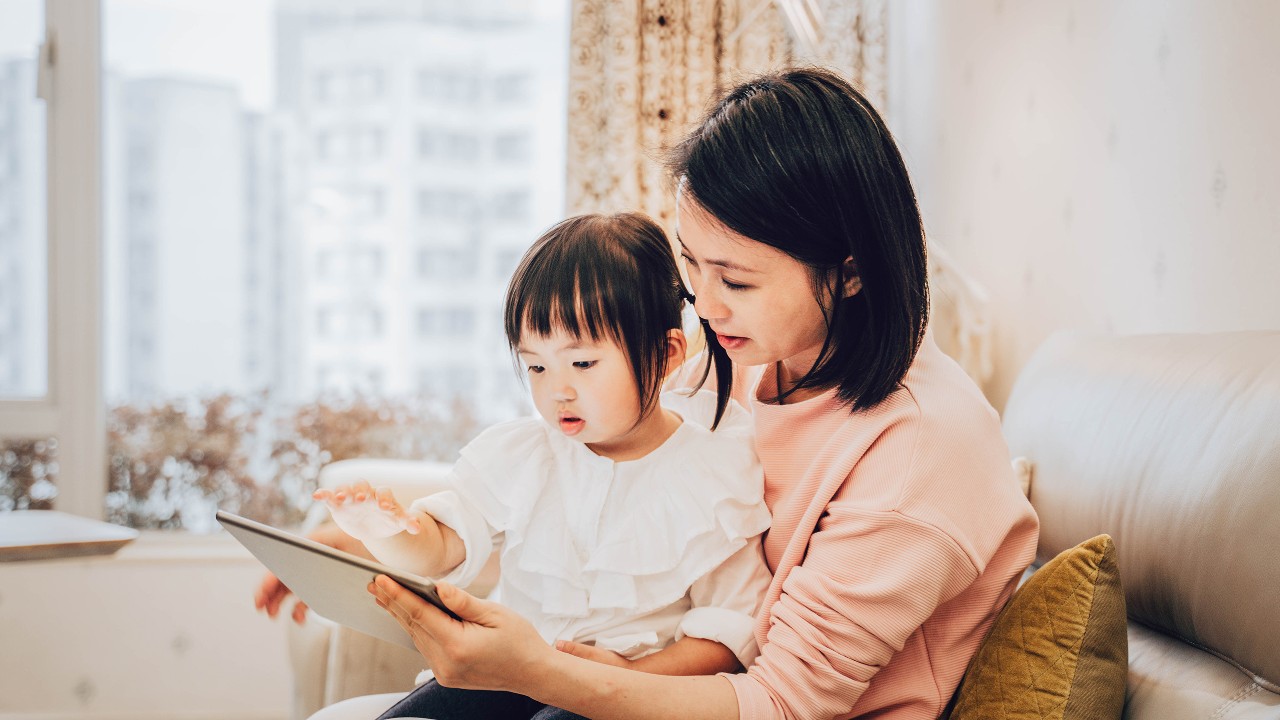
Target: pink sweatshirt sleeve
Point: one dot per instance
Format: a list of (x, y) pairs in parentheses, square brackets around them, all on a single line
[(868, 581)]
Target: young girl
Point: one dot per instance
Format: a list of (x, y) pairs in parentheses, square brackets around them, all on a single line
[(623, 521)]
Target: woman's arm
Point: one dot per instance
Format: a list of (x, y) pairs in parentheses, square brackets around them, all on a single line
[(495, 649)]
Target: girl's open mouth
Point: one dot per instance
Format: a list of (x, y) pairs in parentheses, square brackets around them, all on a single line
[(571, 425)]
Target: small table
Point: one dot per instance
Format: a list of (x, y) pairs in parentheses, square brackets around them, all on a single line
[(45, 534)]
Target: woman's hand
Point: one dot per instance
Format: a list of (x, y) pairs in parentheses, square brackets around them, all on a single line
[(365, 513), (491, 648), (594, 654)]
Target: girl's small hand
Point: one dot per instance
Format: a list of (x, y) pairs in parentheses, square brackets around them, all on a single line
[(367, 514), (593, 653)]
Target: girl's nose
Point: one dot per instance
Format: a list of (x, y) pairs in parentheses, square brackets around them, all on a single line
[(563, 393)]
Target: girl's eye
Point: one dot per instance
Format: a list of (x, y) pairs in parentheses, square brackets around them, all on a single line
[(535, 369), (584, 364)]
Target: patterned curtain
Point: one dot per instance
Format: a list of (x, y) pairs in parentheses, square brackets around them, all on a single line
[(641, 73)]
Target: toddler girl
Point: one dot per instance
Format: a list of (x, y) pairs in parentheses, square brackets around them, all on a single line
[(627, 518)]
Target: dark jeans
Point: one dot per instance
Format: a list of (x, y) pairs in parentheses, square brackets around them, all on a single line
[(438, 702)]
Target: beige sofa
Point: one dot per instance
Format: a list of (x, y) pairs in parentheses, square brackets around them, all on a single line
[(1169, 443)]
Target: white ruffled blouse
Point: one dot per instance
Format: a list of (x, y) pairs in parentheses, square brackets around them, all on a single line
[(628, 556)]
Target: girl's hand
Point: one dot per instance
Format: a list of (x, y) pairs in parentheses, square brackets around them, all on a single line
[(367, 514), (491, 648), (593, 653)]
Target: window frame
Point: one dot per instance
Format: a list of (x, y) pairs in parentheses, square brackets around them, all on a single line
[(73, 409)]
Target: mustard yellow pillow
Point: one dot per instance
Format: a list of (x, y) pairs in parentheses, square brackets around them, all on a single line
[(1059, 650)]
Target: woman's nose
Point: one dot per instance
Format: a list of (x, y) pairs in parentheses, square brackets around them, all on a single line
[(708, 304)]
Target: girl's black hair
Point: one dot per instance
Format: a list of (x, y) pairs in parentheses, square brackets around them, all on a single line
[(604, 277), (799, 160)]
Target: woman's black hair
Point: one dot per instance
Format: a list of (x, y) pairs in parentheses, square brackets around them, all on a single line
[(604, 277), (799, 160)]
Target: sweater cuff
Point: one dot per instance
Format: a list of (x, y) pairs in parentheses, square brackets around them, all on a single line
[(753, 700), (448, 509), (731, 629)]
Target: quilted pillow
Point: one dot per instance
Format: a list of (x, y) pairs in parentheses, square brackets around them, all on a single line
[(1059, 650)]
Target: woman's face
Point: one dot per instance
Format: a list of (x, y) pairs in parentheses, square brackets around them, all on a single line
[(759, 301)]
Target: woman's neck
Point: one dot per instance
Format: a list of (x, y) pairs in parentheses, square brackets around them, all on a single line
[(787, 373)]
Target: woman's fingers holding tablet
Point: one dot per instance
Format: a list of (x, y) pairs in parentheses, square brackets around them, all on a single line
[(487, 649)]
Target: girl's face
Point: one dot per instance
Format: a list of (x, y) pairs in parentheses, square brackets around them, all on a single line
[(759, 301), (586, 389)]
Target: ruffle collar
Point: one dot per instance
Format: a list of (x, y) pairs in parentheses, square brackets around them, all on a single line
[(672, 516)]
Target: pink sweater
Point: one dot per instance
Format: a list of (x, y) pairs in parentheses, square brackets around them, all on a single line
[(898, 534)]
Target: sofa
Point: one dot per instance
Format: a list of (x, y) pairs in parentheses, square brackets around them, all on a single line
[(1170, 444)]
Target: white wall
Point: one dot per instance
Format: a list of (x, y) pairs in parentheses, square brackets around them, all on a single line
[(164, 629), (1102, 165)]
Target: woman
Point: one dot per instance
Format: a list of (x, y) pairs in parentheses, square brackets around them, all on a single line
[(899, 531)]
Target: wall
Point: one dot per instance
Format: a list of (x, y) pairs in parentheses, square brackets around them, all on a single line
[(164, 629), (1108, 166)]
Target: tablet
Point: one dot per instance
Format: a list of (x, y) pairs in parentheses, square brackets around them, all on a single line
[(331, 582)]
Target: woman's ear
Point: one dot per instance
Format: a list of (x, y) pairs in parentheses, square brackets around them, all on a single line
[(677, 345), (852, 280)]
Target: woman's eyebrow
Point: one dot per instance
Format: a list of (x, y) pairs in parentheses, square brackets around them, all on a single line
[(726, 264)]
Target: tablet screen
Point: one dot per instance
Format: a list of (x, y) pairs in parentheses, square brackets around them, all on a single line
[(331, 582)]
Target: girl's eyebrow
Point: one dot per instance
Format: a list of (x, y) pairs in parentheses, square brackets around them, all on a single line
[(726, 264), (576, 345)]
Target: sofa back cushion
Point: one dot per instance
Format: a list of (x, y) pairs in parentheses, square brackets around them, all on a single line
[(1171, 445)]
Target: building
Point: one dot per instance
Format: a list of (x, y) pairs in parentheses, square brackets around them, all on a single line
[(432, 156), (177, 234)]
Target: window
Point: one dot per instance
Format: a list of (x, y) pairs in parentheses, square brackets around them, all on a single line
[(446, 322), (512, 205), (513, 88), (456, 204), (49, 426), (23, 258), (449, 264), (511, 148), (220, 197)]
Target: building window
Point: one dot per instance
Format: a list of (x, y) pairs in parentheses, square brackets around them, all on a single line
[(447, 264), (511, 205), (512, 148), (446, 322), (512, 88)]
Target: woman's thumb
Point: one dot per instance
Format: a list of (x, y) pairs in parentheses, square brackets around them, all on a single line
[(461, 603)]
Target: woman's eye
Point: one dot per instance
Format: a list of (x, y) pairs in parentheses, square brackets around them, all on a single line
[(535, 369), (584, 364), (689, 261), (734, 286)]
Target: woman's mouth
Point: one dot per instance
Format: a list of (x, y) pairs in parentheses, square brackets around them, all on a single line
[(730, 342), (570, 425)]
